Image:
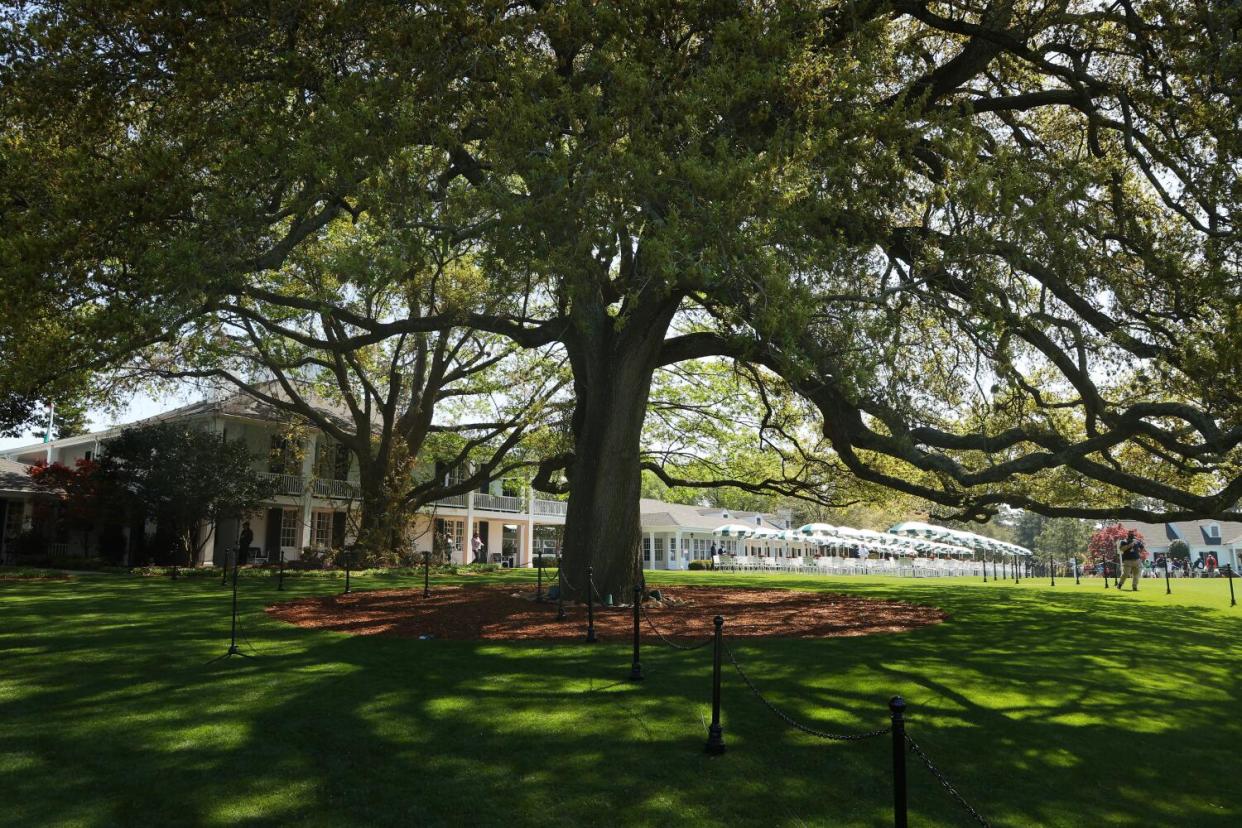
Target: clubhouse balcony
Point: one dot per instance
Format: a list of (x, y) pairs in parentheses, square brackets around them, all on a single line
[(296, 485), (513, 504)]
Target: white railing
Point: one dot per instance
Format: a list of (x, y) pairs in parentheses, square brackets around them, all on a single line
[(295, 485), (286, 484), (336, 488), (499, 503), (505, 503)]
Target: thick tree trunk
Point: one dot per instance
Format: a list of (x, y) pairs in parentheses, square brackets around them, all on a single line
[(375, 539), (602, 528), (612, 379)]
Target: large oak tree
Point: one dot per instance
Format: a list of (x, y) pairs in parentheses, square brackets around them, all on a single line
[(990, 244)]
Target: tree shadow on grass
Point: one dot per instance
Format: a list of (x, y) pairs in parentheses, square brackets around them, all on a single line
[(1033, 704)]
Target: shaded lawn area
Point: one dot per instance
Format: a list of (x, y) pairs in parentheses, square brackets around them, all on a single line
[(1068, 706)]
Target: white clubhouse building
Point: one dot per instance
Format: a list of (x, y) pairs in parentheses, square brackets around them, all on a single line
[(317, 495)]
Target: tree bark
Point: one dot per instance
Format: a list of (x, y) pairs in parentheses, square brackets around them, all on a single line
[(613, 364), (378, 532)]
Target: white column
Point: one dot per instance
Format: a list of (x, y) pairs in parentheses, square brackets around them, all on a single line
[(467, 551), (651, 546), (209, 545), (677, 543), (308, 468), (530, 528)]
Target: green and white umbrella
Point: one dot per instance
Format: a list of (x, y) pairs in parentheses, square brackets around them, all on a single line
[(733, 530), (817, 529), (961, 541)]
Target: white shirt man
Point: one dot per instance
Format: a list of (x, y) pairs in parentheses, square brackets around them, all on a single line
[(476, 546)]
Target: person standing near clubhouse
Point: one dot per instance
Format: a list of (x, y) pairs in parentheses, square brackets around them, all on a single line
[(243, 542), (1131, 560), (476, 548)]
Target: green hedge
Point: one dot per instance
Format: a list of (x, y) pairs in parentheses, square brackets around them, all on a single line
[(30, 573), (700, 564)]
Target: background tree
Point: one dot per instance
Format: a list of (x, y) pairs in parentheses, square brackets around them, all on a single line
[(1179, 549), (1027, 528), (1061, 538), (67, 419), (80, 493), (402, 405), (186, 479)]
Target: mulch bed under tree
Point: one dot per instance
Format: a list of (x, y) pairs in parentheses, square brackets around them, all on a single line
[(503, 613)]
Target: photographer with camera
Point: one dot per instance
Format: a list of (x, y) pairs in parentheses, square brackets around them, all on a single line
[(1131, 560)]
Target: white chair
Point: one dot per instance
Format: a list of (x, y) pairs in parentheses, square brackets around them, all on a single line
[(716, 562), (769, 562)]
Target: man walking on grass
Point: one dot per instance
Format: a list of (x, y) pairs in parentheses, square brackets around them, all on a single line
[(1131, 560)]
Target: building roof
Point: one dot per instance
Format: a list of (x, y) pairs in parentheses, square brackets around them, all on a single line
[(14, 478), (236, 404), (658, 514), (1194, 532), (240, 404)]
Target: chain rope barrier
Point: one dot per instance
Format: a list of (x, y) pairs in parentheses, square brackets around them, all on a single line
[(945, 783), (565, 578), (670, 643), (789, 720), (794, 723)]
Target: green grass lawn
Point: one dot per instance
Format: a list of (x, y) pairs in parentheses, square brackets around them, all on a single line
[(1069, 706)]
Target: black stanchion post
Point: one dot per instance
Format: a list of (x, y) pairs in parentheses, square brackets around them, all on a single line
[(985, 569), (1052, 568), (539, 580), (560, 591), (426, 574), (1005, 569), (347, 555), (233, 634), (1233, 601), (280, 576), (1016, 576), (636, 666), (590, 588), (715, 733), (897, 706), (174, 574), (233, 650), (1168, 577), (1074, 561), (224, 575)]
